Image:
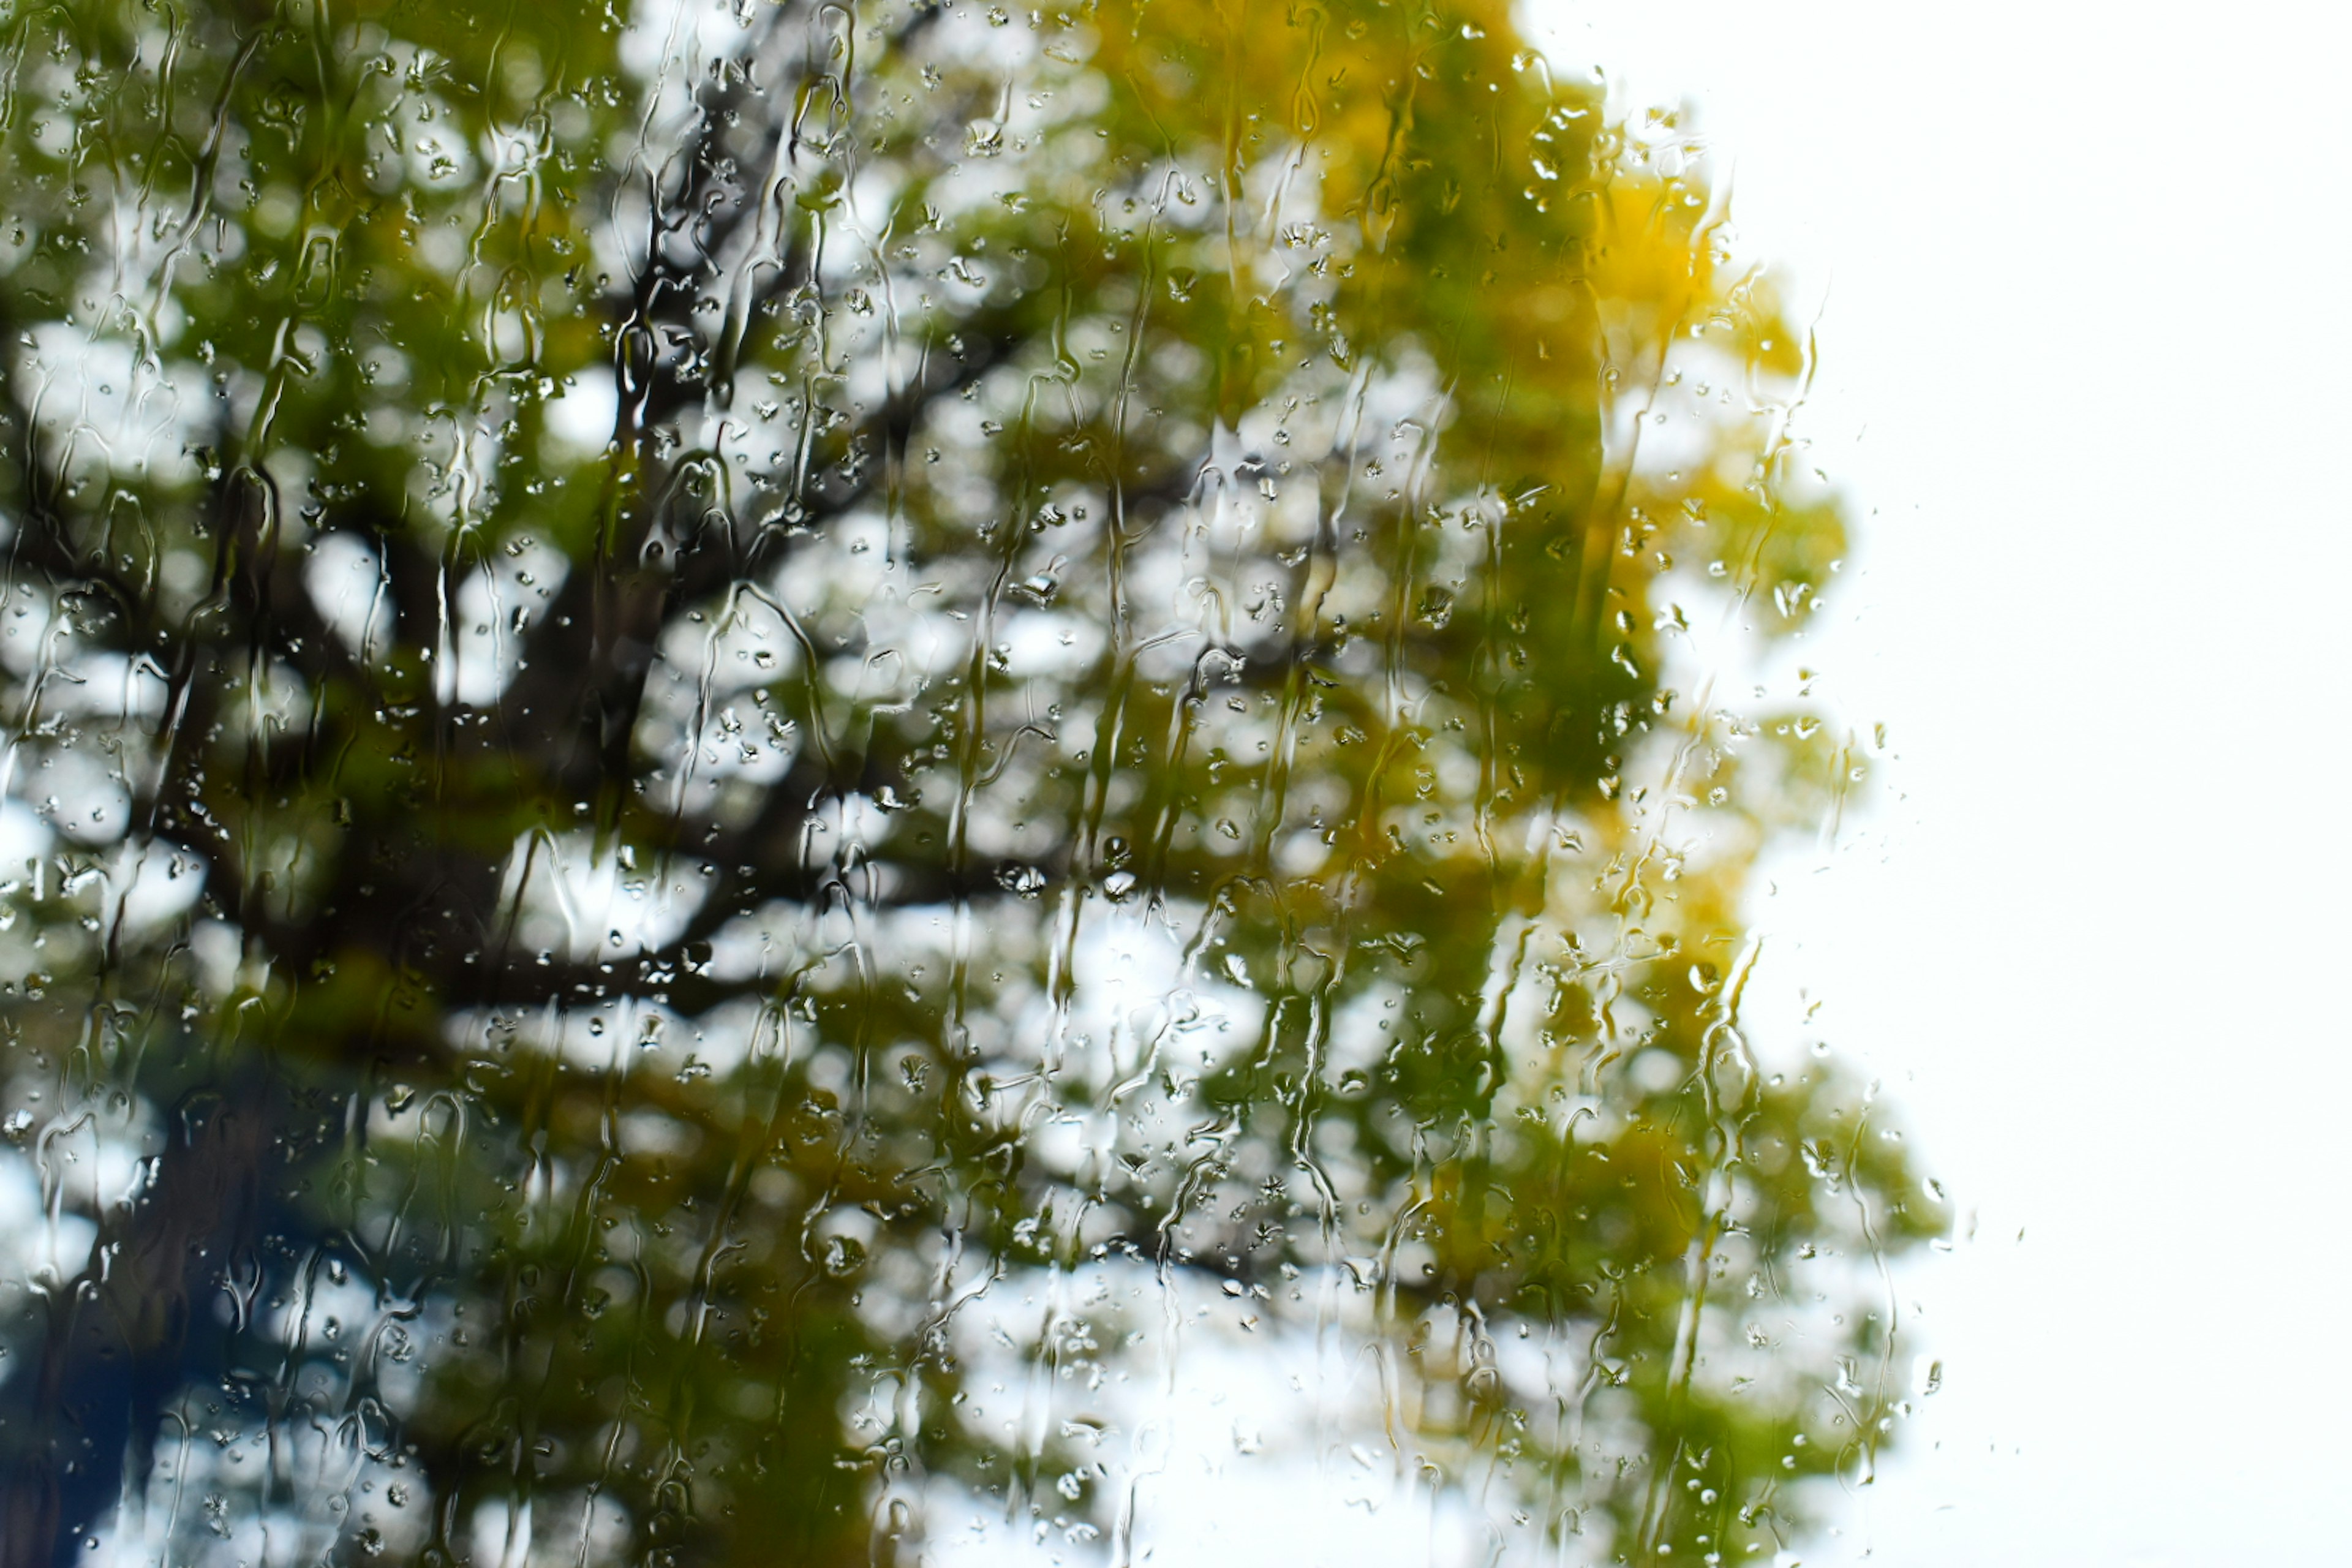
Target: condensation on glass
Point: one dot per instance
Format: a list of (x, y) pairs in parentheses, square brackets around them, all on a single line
[(889, 783)]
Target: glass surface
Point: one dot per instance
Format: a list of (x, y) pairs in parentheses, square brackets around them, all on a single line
[(866, 784)]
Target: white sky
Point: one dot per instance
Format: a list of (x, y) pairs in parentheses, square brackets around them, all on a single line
[(2084, 349)]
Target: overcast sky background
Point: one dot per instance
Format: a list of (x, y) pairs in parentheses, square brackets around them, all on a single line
[(2082, 273)]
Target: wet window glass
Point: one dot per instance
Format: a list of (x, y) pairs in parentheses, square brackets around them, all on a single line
[(905, 782)]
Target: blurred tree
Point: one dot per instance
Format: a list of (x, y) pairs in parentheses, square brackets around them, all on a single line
[(692, 694)]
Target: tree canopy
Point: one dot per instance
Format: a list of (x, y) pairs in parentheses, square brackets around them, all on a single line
[(756, 754)]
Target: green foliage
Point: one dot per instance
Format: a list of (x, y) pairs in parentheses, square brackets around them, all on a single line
[(694, 700)]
